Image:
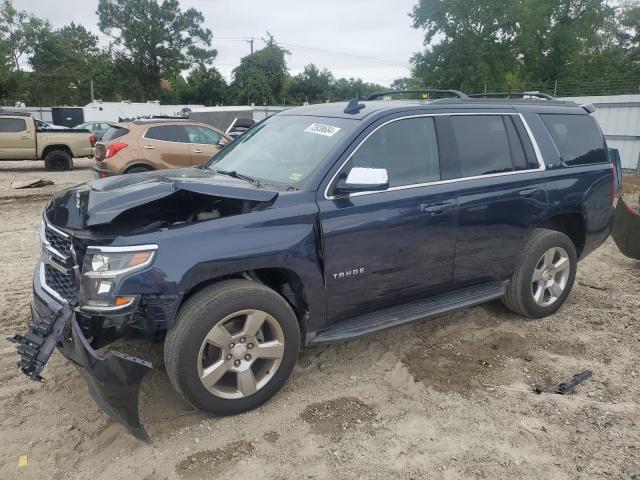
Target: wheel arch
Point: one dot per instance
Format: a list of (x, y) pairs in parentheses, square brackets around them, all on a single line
[(138, 163), (58, 146), (571, 224), (284, 281)]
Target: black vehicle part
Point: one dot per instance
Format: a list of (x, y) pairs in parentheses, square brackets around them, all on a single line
[(568, 387), (36, 347), (58, 160), (626, 230), (509, 95), (138, 169), (392, 317), (451, 93), (113, 380), (353, 107)]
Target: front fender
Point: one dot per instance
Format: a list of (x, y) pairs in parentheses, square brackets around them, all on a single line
[(188, 256)]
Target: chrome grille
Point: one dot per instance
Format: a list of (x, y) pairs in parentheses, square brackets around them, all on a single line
[(58, 241), (58, 260), (63, 284)]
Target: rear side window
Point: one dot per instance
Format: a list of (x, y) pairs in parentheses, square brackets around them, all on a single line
[(407, 149), (202, 135), (12, 125), (483, 144), (166, 133), (577, 138), (114, 132)]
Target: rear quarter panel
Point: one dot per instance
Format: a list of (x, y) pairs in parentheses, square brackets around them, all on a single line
[(77, 142)]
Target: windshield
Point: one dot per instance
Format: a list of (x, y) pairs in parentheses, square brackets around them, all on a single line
[(283, 149)]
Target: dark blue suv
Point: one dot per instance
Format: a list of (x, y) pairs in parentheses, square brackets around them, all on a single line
[(320, 224)]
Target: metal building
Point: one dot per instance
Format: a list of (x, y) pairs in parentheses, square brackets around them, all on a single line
[(619, 116)]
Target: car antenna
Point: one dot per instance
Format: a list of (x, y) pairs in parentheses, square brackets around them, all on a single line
[(354, 107)]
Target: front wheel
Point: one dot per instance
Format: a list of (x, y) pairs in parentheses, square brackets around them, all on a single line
[(545, 275), (234, 345)]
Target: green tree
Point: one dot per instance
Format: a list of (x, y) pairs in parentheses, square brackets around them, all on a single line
[(159, 39), (261, 76), (514, 42), (204, 86), (64, 62), (312, 85)]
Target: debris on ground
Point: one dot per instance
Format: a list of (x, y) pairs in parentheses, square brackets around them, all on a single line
[(568, 387), (31, 184)]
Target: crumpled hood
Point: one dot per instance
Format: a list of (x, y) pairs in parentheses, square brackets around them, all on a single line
[(99, 202)]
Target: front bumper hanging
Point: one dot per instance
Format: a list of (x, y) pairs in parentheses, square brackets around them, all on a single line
[(113, 380)]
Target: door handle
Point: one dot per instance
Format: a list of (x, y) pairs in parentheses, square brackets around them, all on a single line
[(530, 192), (25, 137), (435, 209), (195, 150), (149, 147)]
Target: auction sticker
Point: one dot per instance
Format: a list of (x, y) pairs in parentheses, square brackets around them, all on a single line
[(321, 129)]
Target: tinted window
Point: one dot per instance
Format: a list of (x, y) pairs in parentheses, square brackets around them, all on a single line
[(203, 135), (408, 149), (12, 125), (167, 133), (114, 132), (577, 138), (482, 143)]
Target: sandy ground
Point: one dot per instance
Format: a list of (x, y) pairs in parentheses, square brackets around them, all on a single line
[(446, 398)]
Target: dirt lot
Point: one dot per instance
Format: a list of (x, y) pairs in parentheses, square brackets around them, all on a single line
[(447, 398)]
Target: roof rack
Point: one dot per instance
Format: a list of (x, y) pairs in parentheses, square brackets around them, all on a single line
[(453, 93), (508, 95)]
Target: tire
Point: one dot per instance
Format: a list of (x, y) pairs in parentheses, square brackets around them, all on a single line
[(523, 293), (138, 169), (58, 160), (187, 357)]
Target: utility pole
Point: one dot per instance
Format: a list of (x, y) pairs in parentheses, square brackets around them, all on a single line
[(250, 42), (92, 98)]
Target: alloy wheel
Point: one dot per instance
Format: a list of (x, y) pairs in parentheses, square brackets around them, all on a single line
[(240, 354), (550, 276)]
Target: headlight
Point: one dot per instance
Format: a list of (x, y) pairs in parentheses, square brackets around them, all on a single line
[(103, 270)]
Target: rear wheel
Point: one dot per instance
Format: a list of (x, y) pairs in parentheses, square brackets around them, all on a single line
[(544, 278), (58, 160), (233, 346)]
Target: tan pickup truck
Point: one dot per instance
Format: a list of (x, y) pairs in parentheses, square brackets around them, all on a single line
[(20, 139)]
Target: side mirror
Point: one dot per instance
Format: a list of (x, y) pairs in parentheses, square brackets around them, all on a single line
[(363, 180)]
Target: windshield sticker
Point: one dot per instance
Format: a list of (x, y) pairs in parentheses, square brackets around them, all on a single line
[(321, 129), (295, 177)]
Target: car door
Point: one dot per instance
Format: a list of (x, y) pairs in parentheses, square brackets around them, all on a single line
[(384, 248), (501, 194), (164, 146), (204, 143), (17, 138)]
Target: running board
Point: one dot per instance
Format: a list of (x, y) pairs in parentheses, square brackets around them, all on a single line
[(356, 327)]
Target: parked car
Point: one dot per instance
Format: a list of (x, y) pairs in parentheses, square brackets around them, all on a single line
[(321, 224), (155, 144), (97, 128), (239, 126), (22, 138)]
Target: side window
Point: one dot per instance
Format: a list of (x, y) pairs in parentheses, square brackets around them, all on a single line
[(407, 149), (482, 143), (12, 125), (167, 133), (577, 138), (203, 135)]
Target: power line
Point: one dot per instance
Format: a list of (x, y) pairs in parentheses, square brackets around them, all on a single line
[(348, 56)]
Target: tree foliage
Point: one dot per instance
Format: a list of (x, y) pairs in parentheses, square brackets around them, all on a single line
[(513, 43), (158, 39)]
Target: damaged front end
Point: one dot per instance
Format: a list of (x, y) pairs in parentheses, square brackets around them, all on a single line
[(113, 379), (81, 301)]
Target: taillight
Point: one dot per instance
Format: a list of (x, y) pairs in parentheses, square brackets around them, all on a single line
[(92, 139), (113, 149), (614, 182)]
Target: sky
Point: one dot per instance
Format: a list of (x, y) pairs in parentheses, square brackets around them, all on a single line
[(335, 34)]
